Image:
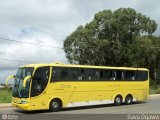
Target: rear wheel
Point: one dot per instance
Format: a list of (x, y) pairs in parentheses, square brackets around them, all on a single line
[(118, 100), (55, 105), (128, 99)]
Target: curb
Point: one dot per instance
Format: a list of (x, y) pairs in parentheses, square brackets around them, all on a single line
[(154, 95), (5, 105)]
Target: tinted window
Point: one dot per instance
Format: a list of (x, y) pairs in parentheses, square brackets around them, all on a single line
[(118, 75), (40, 80), (144, 75), (74, 74), (65, 74), (130, 75), (88, 74), (91, 74), (106, 74), (141, 75)]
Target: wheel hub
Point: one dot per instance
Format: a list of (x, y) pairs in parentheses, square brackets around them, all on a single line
[(54, 104), (118, 100)]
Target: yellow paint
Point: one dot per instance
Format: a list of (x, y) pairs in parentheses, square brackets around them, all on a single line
[(25, 80), (9, 78), (75, 92)]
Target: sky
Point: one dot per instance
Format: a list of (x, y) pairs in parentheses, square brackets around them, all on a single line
[(48, 23)]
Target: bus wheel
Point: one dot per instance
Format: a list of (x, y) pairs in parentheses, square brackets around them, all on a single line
[(128, 99), (55, 105), (118, 100)]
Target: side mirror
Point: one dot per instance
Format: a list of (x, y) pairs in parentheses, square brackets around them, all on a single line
[(9, 77), (25, 80)]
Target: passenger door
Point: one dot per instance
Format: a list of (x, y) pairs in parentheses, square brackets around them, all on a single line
[(39, 84)]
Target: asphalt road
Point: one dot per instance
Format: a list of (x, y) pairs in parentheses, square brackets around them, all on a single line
[(124, 112)]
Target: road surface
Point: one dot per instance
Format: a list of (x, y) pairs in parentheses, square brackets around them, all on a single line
[(107, 112)]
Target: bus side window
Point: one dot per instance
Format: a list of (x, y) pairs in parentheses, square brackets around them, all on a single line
[(93, 74), (110, 75), (64, 74), (105, 74), (87, 74), (53, 75), (101, 74), (81, 74), (56, 74), (123, 75), (68, 74), (130, 75), (141, 75), (118, 75), (138, 75), (144, 75), (72, 74), (114, 75), (97, 74)]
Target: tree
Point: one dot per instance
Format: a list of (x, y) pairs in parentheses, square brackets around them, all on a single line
[(112, 38)]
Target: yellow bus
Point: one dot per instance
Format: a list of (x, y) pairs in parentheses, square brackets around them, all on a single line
[(55, 85)]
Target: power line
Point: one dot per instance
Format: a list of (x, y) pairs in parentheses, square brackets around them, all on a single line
[(25, 22), (37, 44), (15, 60), (29, 22), (24, 61)]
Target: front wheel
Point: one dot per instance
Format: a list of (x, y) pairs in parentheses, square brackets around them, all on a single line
[(55, 105)]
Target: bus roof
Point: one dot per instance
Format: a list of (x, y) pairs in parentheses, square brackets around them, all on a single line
[(80, 66)]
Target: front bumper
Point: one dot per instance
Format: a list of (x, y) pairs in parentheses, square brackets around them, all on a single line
[(21, 106)]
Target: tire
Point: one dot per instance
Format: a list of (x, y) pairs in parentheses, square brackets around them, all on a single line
[(55, 105), (118, 100), (128, 99)]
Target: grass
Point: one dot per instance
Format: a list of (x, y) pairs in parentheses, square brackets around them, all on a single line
[(5, 95), (154, 89)]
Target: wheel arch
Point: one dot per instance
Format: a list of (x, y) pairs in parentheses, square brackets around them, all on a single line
[(118, 95), (129, 94)]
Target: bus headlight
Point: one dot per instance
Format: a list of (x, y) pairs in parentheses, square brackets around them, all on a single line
[(24, 102)]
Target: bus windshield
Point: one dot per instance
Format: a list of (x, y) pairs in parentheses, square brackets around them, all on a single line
[(18, 89)]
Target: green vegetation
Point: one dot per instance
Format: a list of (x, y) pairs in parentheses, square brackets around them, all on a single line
[(154, 89), (116, 38), (5, 95)]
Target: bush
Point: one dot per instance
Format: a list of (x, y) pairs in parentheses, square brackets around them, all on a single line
[(5, 95), (154, 89)]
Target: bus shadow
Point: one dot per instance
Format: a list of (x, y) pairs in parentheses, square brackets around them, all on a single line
[(74, 108)]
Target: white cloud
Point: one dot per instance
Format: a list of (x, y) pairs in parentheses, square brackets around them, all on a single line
[(4, 74), (30, 52)]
